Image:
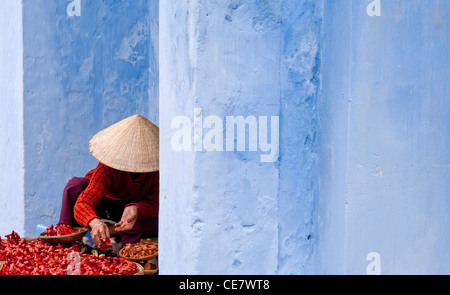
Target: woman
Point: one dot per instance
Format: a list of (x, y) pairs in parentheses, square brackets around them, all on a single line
[(121, 195)]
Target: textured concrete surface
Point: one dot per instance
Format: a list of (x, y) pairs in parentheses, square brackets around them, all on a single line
[(384, 138), (237, 58)]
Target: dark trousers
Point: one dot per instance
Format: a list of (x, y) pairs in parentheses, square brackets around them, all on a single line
[(107, 209)]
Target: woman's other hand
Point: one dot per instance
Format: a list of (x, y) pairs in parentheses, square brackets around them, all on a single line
[(129, 217)]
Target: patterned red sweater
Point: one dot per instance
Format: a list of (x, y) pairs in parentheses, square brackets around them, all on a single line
[(118, 185)]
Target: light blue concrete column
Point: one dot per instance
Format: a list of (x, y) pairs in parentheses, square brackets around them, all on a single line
[(11, 119), (225, 210)]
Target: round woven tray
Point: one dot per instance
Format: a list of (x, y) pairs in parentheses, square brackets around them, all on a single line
[(64, 239), (137, 259), (150, 272)]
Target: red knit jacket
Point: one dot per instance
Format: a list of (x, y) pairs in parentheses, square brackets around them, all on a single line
[(106, 182)]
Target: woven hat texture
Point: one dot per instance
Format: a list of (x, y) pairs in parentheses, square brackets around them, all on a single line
[(131, 145)]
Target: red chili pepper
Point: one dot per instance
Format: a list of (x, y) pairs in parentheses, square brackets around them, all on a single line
[(13, 237), (50, 231), (106, 244)]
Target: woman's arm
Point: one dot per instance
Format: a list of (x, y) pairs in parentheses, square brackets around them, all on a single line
[(90, 198)]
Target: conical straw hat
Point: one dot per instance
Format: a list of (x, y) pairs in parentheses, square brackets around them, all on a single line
[(130, 145)]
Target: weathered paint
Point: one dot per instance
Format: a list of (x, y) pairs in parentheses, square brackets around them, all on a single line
[(363, 164), (235, 58), (81, 74)]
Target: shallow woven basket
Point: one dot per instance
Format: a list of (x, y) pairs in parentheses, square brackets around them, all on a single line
[(64, 239), (150, 272)]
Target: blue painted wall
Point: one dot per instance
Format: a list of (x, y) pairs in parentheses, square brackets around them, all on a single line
[(11, 119), (399, 133), (385, 173), (81, 74), (362, 102), (300, 88)]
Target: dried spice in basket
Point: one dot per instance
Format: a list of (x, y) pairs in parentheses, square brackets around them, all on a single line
[(60, 230), (142, 249)]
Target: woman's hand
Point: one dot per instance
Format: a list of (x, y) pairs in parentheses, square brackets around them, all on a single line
[(129, 217), (99, 231)]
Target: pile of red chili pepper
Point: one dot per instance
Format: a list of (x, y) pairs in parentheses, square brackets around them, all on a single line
[(60, 230), (22, 257), (104, 265)]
